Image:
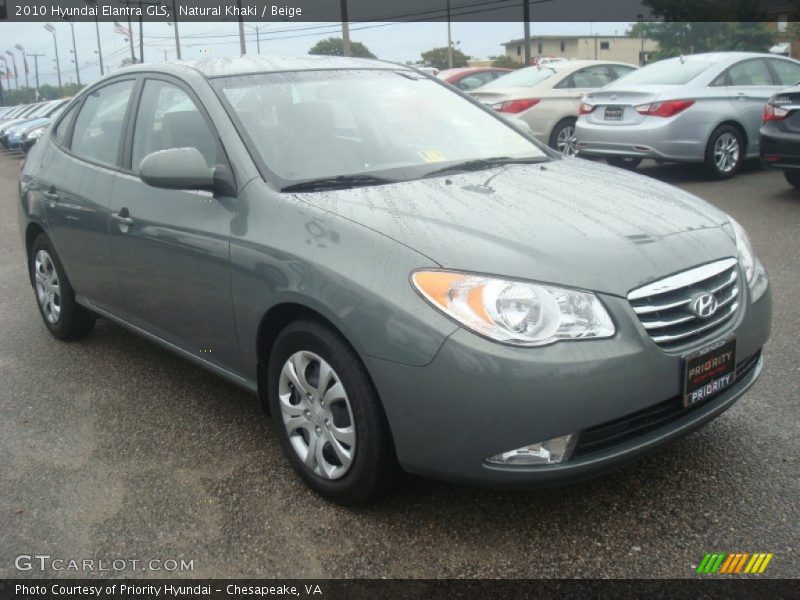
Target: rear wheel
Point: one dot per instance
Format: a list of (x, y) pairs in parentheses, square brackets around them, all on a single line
[(725, 152), (793, 177), (624, 162), (563, 138), (64, 317), (328, 416)]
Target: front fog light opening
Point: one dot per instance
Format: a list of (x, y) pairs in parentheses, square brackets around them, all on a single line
[(549, 452)]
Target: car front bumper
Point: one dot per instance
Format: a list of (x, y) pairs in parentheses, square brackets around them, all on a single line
[(661, 139), (477, 399)]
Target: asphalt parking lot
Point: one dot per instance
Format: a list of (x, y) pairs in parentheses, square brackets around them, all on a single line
[(114, 448)]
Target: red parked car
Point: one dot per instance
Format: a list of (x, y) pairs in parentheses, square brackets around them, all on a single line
[(466, 78)]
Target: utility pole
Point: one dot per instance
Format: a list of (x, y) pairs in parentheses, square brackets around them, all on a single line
[(526, 19), (242, 43), (345, 28), (75, 54), (35, 57), (641, 34), (130, 39), (21, 51), (449, 40), (177, 35), (52, 30), (257, 29)]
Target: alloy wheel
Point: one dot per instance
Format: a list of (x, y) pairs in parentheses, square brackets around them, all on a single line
[(566, 142), (48, 289), (726, 152), (317, 415)]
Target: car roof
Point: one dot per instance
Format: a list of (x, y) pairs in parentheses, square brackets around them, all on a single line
[(250, 64), (715, 57), (574, 65)]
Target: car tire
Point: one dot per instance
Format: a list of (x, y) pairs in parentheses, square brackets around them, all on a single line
[(793, 177), (562, 138), (624, 162), (725, 152), (305, 424), (62, 315)]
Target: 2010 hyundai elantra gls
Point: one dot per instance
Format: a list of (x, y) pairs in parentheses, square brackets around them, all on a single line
[(404, 277)]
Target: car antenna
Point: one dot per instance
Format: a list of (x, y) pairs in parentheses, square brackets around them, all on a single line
[(682, 59)]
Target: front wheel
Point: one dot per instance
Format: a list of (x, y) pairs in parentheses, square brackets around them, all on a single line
[(328, 416), (725, 152), (624, 162), (64, 317), (793, 177)]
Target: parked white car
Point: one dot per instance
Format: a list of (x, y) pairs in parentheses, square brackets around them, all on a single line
[(548, 98)]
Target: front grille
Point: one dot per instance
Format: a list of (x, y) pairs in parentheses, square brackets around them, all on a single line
[(619, 431), (665, 307)]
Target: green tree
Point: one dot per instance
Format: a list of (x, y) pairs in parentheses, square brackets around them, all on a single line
[(437, 57), (691, 26), (676, 38), (505, 62), (334, 46)]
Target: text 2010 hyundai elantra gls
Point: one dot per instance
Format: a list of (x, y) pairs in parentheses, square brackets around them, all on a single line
[(403, 276)]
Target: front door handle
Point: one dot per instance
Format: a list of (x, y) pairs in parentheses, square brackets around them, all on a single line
[(122, 217), (51, 194)]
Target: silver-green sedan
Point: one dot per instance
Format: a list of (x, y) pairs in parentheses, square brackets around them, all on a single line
[(407, 280)]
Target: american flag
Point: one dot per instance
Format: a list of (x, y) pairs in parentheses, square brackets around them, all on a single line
[(121, 30)]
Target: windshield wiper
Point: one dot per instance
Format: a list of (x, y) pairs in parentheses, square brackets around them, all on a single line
[(337, 183), (486, 163)]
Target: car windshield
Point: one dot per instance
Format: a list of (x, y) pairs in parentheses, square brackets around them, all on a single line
[(673, 71), (384, 123), (527, 77)]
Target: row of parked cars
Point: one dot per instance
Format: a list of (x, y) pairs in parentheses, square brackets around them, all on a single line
[(715, 108), (21, 126)]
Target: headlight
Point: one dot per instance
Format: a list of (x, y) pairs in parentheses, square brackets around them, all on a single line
[(746, 255), (36, 133), (515, 312)]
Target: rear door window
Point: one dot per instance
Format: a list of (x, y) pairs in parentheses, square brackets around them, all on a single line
[(750, 72), (100, 123)]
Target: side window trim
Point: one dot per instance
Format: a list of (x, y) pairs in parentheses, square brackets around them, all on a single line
[(67, 145), (130, 130)]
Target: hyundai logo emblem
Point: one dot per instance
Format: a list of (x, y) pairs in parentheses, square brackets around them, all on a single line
[(704, 305)]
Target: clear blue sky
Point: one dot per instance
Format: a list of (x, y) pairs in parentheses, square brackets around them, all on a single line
[(393, 41)]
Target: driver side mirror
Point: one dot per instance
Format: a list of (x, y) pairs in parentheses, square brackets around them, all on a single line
[(177, 168)]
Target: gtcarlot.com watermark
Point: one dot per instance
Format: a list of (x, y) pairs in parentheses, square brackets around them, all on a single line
[(46, 562)]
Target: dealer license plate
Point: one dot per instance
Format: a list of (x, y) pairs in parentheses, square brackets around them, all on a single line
[(709, 372)]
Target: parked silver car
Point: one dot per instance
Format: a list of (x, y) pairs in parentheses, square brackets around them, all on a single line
[(701, 108)]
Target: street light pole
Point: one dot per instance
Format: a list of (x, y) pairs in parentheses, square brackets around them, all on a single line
[(526, 27), (16, 73), (35, 57), (52, 30), (21, 51), (75, 54), (97, 27)]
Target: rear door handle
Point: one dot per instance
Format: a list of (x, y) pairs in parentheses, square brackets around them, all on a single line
[(124, 220), (52, 196)]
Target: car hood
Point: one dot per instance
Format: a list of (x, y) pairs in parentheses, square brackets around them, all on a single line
[(569, 222)]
